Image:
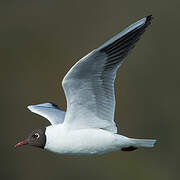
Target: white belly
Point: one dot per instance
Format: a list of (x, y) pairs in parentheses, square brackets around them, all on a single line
[(81, 142)]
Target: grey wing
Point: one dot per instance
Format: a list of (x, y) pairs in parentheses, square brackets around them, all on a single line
[(50, 111), (89, 84)]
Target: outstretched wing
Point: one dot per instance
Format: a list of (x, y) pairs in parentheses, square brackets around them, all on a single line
[(50, 111), (89, 84)]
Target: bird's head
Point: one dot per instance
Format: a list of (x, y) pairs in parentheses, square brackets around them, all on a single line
[(37, 138)]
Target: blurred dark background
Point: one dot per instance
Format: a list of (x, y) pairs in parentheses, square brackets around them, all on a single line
[(41, 39)]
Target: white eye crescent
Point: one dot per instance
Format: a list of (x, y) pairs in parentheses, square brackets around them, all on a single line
[(37, 135)]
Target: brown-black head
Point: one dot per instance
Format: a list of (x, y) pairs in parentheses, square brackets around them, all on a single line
[(37, 138)]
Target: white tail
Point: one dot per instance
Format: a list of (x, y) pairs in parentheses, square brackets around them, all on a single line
[(143, 142)]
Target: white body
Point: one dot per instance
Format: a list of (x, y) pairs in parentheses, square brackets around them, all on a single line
[(88, 127), (83, 141), (88, 141)]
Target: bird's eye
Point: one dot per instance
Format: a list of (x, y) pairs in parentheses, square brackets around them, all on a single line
[(36, 135)]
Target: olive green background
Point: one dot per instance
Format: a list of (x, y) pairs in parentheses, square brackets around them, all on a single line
[(41, 39)]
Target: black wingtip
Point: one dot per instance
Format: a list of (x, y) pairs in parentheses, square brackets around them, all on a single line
[(56, 106), (149, 18)]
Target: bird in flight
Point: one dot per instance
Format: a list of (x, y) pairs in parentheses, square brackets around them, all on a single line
[(87, 127)]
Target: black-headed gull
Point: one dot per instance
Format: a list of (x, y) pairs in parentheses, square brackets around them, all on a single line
[(88, 127)]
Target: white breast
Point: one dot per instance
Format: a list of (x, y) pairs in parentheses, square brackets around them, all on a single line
[(80, 142)]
